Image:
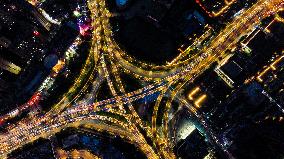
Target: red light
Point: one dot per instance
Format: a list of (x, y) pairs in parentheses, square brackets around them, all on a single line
[(84, 29), (36, 33)]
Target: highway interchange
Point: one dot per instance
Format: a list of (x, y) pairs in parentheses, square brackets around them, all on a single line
[(105, 62)]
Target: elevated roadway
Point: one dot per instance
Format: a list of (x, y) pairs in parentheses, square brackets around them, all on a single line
[(227, 39)]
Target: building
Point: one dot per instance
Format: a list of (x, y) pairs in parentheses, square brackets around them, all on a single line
[(8, 66), (193, 147)]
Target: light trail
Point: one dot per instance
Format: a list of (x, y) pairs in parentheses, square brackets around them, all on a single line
[(50, 124)]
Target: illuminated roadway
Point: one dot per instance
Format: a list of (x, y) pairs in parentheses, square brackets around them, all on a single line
[(76, 154), (50, 124)]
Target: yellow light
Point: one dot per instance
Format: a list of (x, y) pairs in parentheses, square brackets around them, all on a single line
[(60, 64), (200, 100), (193, 92), (276, 61), (262, 73)]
